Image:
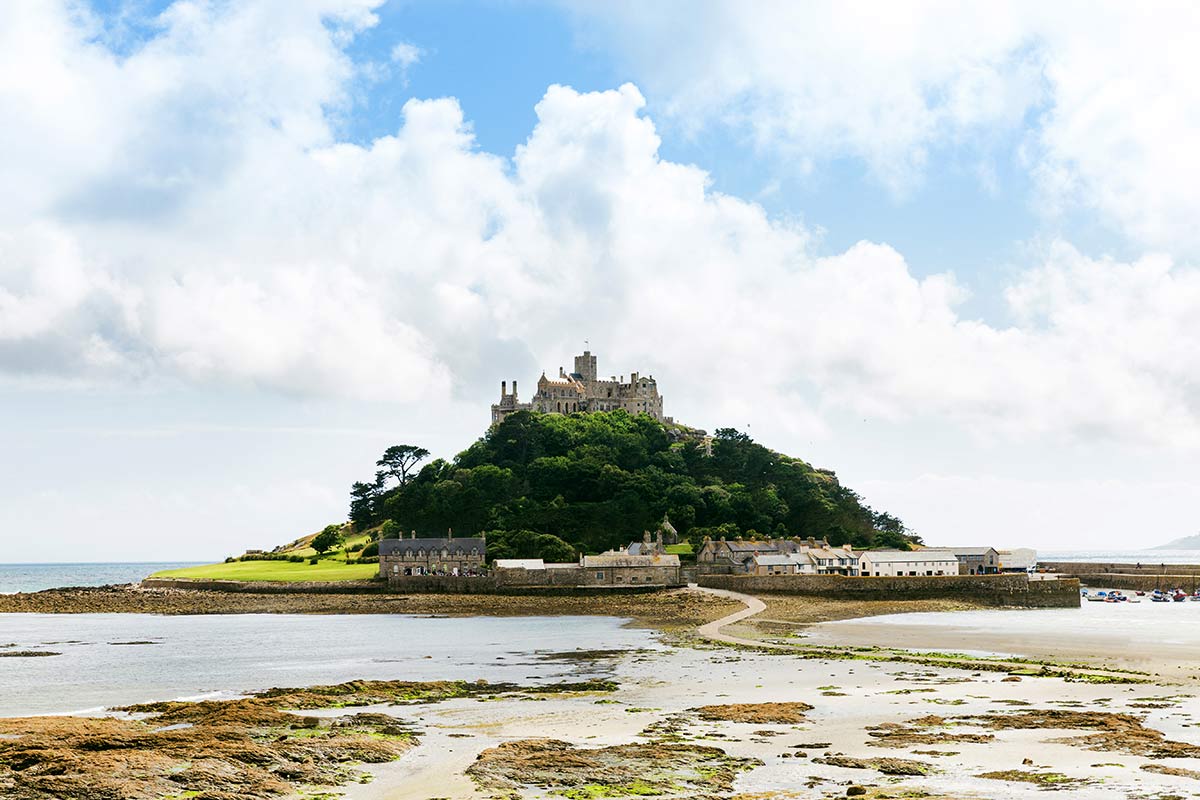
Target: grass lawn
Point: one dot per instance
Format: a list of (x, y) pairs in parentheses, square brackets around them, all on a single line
[(681, 549), (275, 571)]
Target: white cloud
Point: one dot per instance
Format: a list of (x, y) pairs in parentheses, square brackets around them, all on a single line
[(218, 232), (406, 54), (1099, 99)]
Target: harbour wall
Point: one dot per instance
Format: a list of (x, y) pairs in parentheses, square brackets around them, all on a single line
[(1137, 577), (998, 590), (416, 584)]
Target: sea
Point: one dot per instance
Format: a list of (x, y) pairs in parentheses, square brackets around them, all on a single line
[(1123, 556), (105, 660), (36, 577)]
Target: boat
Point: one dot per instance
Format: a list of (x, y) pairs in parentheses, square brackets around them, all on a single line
[(1159, 597), (1140, 593), (1179, 598)]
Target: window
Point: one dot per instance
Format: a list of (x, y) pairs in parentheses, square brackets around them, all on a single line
[(599, 575)]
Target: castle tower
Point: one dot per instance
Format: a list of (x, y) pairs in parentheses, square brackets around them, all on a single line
[(585, 366)]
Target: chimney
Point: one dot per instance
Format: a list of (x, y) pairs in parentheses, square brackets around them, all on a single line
[(658, 538), (633, 377), (412, 534), (449, 533), (503, 389), (514, 390)]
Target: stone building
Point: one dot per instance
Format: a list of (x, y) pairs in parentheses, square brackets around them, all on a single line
[(621, 569), (431, 556), (616, 568), (804, 556), (583, 390), (976, 560)]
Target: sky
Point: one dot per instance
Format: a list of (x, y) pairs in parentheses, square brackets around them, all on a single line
[(947, 251)]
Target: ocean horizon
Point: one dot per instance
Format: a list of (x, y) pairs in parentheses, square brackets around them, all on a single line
[(35, 577)]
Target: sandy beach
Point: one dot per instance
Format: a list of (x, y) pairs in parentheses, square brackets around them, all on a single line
[(759, 716), (956, 721)]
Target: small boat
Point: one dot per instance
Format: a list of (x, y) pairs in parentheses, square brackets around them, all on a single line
[(1179, 598), (1159, 597), (1140, 593)]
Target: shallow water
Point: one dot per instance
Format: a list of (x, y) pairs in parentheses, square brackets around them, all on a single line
[(105, 660)]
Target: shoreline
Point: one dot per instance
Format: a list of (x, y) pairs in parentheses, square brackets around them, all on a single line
[(681, 721), (672, 609)]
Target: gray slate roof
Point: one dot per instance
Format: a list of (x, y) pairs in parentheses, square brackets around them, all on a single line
[(393, 546)]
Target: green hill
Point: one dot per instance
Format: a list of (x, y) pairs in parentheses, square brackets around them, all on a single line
[(597, 480)]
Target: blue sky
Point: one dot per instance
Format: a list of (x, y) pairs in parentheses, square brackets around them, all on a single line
[(248, 245)]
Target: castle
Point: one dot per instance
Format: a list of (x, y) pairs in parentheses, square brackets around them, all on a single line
[(581, 390)]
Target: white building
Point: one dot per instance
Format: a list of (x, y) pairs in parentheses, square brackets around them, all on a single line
[(1019, 559), (892, 563)]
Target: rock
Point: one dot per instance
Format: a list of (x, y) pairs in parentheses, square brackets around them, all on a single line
[(855, 791), (1011, 679)]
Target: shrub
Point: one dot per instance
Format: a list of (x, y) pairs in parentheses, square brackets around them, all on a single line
[(371, 550), (354, 548), (313, 560)]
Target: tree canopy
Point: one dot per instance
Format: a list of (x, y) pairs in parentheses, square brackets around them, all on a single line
[(597, 480)]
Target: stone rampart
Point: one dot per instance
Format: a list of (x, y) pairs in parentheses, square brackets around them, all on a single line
[(998, 590), (414, 584), (1147, 567), (269, 587)]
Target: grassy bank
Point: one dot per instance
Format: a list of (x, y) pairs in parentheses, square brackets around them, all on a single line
[(324, 570)]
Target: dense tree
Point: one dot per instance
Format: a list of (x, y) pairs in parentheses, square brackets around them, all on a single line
[(327, 539), (598, 480), (528, 544)]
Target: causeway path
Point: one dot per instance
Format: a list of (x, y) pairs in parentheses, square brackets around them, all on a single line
[(712, 632)]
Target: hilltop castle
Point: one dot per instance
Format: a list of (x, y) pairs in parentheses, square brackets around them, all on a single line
[(581, 390)]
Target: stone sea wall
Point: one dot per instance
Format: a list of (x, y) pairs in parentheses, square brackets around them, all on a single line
[(1144, 577), (417, 584), (999, 590)]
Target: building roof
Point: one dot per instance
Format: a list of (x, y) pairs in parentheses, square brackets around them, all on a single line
[(519, 563), (883, 556), (830, 552), (753, 547), (390, 546), (768, 560), (626, 560), (968, 551)]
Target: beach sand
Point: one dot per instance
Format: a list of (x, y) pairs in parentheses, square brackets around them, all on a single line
[(848, 697), (895, 729)]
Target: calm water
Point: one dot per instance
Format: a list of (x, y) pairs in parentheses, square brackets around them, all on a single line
[(35, 577), (1123, 556), (222, 655)]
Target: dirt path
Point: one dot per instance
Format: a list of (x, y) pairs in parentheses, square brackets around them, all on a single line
[(712, 632)]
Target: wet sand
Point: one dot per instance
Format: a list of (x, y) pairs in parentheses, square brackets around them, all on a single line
[(1148, 638)]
